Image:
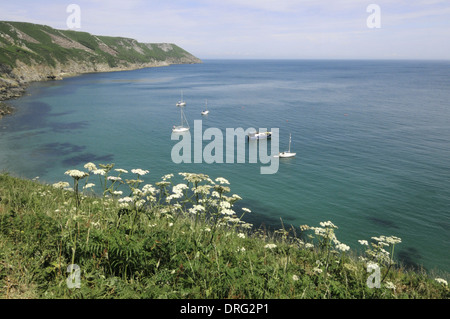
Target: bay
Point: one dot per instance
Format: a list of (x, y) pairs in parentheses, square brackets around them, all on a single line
[(372, 139)]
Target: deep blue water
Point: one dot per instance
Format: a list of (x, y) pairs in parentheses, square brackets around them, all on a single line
[(372, 139)]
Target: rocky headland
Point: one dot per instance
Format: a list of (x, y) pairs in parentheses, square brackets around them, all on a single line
[(32, 52)]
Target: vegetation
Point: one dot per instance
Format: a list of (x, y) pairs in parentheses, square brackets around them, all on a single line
[(28, 43), (174, 239)]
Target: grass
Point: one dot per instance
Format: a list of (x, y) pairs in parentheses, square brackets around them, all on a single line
[(13, 47), (176, 240)]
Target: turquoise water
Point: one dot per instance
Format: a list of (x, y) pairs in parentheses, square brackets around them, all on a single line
[(372, 139)]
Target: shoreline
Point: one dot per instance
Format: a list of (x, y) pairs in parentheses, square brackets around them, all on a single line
[(11, 87), (5, 109)]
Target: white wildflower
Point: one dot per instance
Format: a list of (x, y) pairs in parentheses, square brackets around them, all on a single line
[(215, 194), (202, 189), (196, 208), (363, 242), (227, 211), (390, 285), (140, 203), (241, 235), (125, 200), (224, 205), (246, 225), (270, 246), (441, 281), (179, 188), (148, 189), (236, 197), (120, 170), (99, 171), (393, 240), (246, 210), (76, 173), (90, 166), (167, 176), (233, 220), (328, 224), (61, 185), (89, 185), (295, 278), (317, 270), (114, 178), (139, 171), (222, 180), (342, 247)]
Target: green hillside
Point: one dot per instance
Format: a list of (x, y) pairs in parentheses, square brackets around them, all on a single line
[(33, 43)]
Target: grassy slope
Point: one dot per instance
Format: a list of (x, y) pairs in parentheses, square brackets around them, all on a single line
[(165, 252), (14, 46)]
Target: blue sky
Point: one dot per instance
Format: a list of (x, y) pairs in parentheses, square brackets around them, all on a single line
[(285, 29)]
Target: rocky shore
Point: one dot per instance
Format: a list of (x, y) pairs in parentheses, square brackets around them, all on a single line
[(5, 109)]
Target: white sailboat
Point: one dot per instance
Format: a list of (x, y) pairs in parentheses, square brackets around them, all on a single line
[(182, 127), (205, 111), (288, 153), (259, 135), (181, 102)]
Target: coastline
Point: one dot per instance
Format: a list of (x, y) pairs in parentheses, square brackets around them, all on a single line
[(34, 53), (14, 82)]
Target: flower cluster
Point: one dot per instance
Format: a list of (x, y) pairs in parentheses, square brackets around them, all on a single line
[(376, 251), (198, 195), (76, 174)]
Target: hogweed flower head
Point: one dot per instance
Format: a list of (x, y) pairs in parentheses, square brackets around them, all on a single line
[(194, 178), (328, 224), (197, 208), (90, 166), (61, 185), (166, 177), (114, 178), (441, 281), (99, 171), (222, 180), (139, 171), (76, 174)]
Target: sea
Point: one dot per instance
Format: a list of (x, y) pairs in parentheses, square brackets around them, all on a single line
[(372, 140)]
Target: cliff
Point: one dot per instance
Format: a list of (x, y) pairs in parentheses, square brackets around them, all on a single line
[(31, 52)]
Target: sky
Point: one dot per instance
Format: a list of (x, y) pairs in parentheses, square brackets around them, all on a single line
[(259, 29)]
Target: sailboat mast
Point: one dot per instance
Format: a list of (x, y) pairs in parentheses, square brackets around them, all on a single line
[(289, 143)]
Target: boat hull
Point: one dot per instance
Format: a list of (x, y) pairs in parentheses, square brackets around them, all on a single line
[(180, 129), (286, 154), (260, 136)]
